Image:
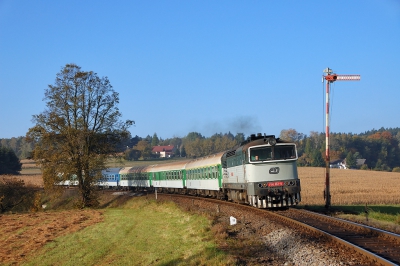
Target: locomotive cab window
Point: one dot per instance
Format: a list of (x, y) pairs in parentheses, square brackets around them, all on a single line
[(284, 152), (267, 153), (261, 153)]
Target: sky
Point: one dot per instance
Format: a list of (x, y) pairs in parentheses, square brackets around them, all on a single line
[(208, 66)]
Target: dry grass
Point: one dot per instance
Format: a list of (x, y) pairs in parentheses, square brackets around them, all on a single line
[(31, 180), (349, 187)]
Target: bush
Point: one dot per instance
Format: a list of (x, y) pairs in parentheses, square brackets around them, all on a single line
[(396, 169), (14, 195)]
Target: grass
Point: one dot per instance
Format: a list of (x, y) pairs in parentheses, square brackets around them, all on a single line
[(137, 234)]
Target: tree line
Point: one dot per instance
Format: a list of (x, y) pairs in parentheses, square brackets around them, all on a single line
[(22, 148), (380, 148), (193, 145)]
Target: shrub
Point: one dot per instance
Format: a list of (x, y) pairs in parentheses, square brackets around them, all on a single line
[(14, 195), (396, 169)]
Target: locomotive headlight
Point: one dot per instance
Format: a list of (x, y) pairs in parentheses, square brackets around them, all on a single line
[(272, 141)]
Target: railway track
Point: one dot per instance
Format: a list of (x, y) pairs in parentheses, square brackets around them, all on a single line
[(382, 247), (376, 246)]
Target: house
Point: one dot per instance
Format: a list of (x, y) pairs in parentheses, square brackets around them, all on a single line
[(164, 151), (336, 164), (341, 164)]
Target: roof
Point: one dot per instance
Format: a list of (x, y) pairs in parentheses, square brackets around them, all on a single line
[(361, 161), (168, 148)]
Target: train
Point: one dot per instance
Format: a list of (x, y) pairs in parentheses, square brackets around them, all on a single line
[(261, 171)]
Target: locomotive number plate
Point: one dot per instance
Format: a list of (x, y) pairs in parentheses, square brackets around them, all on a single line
[(276, 184)]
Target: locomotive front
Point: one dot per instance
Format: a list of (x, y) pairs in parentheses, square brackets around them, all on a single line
[(263, 173)]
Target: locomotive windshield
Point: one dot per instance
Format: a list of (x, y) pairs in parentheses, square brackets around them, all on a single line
[(268, 153)]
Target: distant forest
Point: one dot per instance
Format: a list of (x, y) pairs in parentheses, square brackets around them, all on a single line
[(380, 148)]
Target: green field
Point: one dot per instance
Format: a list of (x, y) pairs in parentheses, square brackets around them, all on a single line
[(137, 234)]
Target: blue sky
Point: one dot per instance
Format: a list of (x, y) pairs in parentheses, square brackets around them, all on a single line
[(208, 66)]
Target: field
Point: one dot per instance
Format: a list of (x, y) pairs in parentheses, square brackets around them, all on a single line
[(350, 187)]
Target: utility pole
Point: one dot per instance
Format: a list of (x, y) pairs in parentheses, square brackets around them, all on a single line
[(331, 77)]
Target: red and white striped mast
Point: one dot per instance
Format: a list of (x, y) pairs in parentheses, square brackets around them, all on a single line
[(331, 77)]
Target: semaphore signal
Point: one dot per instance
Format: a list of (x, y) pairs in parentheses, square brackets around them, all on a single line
[(331, 77)]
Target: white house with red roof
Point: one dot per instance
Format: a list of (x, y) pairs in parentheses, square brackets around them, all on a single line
[(164, 151)]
